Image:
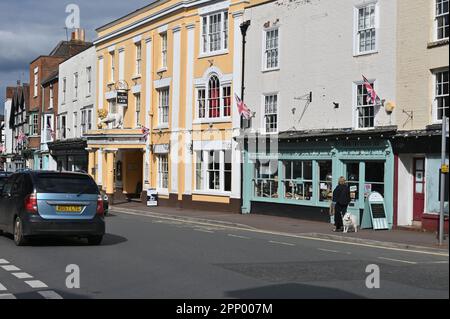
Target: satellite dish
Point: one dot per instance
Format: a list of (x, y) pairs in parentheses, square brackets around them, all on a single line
[(390, 106)]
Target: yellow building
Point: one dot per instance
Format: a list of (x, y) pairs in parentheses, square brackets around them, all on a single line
[(173, 68)]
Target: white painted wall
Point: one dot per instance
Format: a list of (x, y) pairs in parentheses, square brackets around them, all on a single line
[(78, 63), (316, 54), (8, 138)]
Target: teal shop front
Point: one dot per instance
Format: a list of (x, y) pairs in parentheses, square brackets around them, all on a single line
[(297, 173)]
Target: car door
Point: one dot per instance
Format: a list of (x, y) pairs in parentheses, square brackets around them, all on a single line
[(5, 202)]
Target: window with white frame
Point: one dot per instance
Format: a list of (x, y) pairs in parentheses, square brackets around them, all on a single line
[(64, 89), (442, 24), (75, 85), (62, 127), (138, 58), (34, 124), (49, 133), (113, 66), (213, 170), (441, 99), (51, 96), (163, 50), (138, 109), (366, 29), (364, 107), (75, 123), (86, 120), (163, 106), (214, 100), (163, 171), (89, 80), (215, 32), (271, 113), (271, 56), (36, 81)]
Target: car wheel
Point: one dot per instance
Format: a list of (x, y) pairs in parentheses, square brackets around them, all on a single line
[(19, 238), (95, 240)]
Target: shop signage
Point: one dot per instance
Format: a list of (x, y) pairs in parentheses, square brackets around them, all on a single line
[(375, 213), (122, 98), (152, 197), (161, 148)]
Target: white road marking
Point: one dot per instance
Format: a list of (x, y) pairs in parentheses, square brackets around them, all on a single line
[(10, 268), (204, 231), (22, 275), (398, 260), (329, 250), (2, 288), (50, 294), (260, 231), (280, 243), (3, 262), (36, 284), (237, 236), (7, 296), (435, 262)]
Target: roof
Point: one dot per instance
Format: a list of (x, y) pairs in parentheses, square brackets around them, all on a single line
[(52, 76), (20, 101), (66, 49)]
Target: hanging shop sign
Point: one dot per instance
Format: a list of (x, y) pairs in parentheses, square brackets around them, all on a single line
[(122, 97), (375, 213)]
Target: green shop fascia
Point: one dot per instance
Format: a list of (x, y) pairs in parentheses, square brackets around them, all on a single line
[(294, 173)]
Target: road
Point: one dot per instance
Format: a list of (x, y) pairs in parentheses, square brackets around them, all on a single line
[(154, 257)]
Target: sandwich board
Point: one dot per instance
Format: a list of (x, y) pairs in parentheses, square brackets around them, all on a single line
[(374, 215)]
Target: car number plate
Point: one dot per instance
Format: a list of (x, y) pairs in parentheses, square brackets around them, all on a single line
[(68, 209)]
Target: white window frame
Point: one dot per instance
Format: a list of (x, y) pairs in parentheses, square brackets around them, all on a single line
[(436, 96), (34, 124), (89, 81), (162, 173), (164, 49), (75, 86), (265, 51), (138, 106), (64, 90), (356, 36), (75, 123), (263, 120), (223, 32), (51, 97), (138, 67), (436, 19), (36, 82), (162, 123), (203, 168), (112, 56), (376, 107), (206, 88)]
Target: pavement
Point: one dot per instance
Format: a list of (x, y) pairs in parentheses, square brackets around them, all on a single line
[(156, 255), (407, 239)]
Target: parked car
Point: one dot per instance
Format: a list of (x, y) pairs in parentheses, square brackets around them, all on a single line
[(3, 177), (42, 203)]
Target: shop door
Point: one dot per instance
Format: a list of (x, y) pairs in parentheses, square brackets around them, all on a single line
[(419, 188)]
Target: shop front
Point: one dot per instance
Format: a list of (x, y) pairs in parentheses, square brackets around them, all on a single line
[(297, 179), (70, 155)]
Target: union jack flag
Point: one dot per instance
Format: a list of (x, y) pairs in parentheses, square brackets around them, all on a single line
[(372, 96), (242, 108), (145, 132), (22, 137), (2, 148), (52, 133)]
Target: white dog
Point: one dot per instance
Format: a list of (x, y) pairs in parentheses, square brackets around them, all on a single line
[(349, 221)]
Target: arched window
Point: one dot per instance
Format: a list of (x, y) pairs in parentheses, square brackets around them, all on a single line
[(214, 97)]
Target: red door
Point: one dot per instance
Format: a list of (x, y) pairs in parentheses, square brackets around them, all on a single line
[(419, 188)]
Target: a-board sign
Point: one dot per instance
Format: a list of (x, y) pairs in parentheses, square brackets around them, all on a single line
[(375, 212), (152, 197)]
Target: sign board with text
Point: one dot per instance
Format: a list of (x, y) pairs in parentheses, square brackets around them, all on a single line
[(374, 215), (122, 98)]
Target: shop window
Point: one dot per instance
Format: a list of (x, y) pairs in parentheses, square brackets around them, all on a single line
[(374, 177), (298, 180), (325, 181), (353, 181), (214, 170), (266, 179), (199, 171), (227, 171)]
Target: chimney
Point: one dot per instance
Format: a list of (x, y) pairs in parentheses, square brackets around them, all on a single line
[(78, 35), (9, 92)]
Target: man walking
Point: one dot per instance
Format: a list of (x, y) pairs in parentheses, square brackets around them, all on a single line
[(341, 199)]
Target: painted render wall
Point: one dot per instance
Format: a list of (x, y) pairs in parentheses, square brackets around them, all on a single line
[(317, 54)]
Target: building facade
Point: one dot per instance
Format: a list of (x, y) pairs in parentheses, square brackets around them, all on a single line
[(312, 119), (75, 115), (167, 74), (422, 102)]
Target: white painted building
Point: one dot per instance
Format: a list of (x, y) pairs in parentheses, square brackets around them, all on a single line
[(76, 98)]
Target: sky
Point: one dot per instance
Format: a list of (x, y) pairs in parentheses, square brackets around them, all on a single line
[(30, 28)]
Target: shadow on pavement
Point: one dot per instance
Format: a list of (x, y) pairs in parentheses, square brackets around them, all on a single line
[(108, 240), (291, 291)]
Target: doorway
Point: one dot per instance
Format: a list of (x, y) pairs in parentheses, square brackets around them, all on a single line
[(419, 188)]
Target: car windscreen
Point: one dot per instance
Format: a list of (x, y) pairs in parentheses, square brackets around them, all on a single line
[(65, 184)]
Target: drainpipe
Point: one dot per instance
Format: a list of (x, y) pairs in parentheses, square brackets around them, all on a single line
[(244, 123)]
